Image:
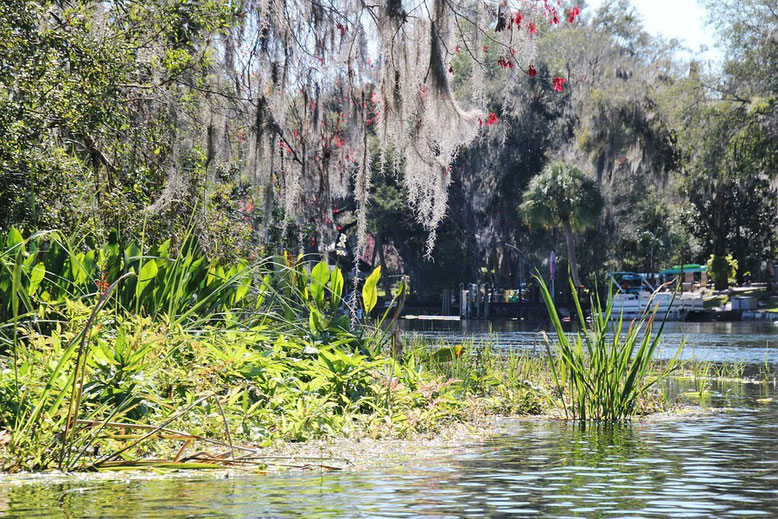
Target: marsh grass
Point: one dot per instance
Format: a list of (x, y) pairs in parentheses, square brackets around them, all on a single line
[(600, 371)]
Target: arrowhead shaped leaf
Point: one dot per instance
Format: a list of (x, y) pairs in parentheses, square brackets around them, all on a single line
[(370, 290)]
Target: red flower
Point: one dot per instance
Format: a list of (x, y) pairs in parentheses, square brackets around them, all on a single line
[(492, 119), (574, 13), (558, 82), (103, 284), (486, 48), (532, 71), (555, 19), (518, 19), (532, 29)]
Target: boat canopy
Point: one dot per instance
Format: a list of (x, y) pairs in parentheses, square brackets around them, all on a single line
[(631, 282), (691, 268)]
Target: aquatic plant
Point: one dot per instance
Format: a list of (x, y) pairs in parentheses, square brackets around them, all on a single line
[(600, 371)]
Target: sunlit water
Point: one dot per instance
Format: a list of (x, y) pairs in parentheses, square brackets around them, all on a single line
[(720, 464), (747, 341)]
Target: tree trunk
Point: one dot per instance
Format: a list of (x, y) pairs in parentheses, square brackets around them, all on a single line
[(379, 247), (571, 259), (719, 234)]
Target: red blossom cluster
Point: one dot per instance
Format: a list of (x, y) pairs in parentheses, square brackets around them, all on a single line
[(558, 82), (551, 12), (505, 63), (492, 120)]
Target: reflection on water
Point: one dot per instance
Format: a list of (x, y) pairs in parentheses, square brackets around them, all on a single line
[(746, 341), (722, 464)]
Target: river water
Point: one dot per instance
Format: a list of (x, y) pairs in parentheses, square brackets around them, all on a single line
[(722, 463), (750, 342)]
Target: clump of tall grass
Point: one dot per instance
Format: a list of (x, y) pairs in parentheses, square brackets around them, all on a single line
[(600, 371)]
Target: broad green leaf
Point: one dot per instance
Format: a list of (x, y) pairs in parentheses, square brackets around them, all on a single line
[(241, 290), (87, 262), (163, 250), (36, 276), (14, 238), (316, 322), (370, 290), (76, 265), (320, 275), (264, 288), (147, 273), (336, 286)]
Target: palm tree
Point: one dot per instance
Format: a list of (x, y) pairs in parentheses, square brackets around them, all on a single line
[(561, 195)]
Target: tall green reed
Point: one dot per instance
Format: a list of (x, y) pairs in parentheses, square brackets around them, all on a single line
[(600, 371)]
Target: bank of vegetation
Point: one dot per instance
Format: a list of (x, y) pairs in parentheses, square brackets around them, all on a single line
[(130, 356), (113, 354)]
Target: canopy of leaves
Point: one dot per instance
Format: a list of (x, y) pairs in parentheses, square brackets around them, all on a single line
[(561, 194)]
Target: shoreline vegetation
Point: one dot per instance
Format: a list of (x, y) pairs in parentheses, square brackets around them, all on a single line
[(132, 357)]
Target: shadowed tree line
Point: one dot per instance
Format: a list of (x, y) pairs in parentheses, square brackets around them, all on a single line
[(160, 117)]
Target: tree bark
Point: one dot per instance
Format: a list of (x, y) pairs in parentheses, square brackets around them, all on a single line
[(571, 258)]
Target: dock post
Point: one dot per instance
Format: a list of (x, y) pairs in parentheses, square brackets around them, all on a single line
[(487, 300), (446, 302)]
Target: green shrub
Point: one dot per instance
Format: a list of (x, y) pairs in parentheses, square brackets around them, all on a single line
[(723, 270)]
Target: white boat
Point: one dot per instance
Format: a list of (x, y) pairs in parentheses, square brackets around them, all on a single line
[(634, 295)]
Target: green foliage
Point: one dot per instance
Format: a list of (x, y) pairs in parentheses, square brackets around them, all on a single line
[(94, 101), (601, 374), (370, 290), (39, 273), (561, 194), (651, 234), (723, 270), (272, 386)]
